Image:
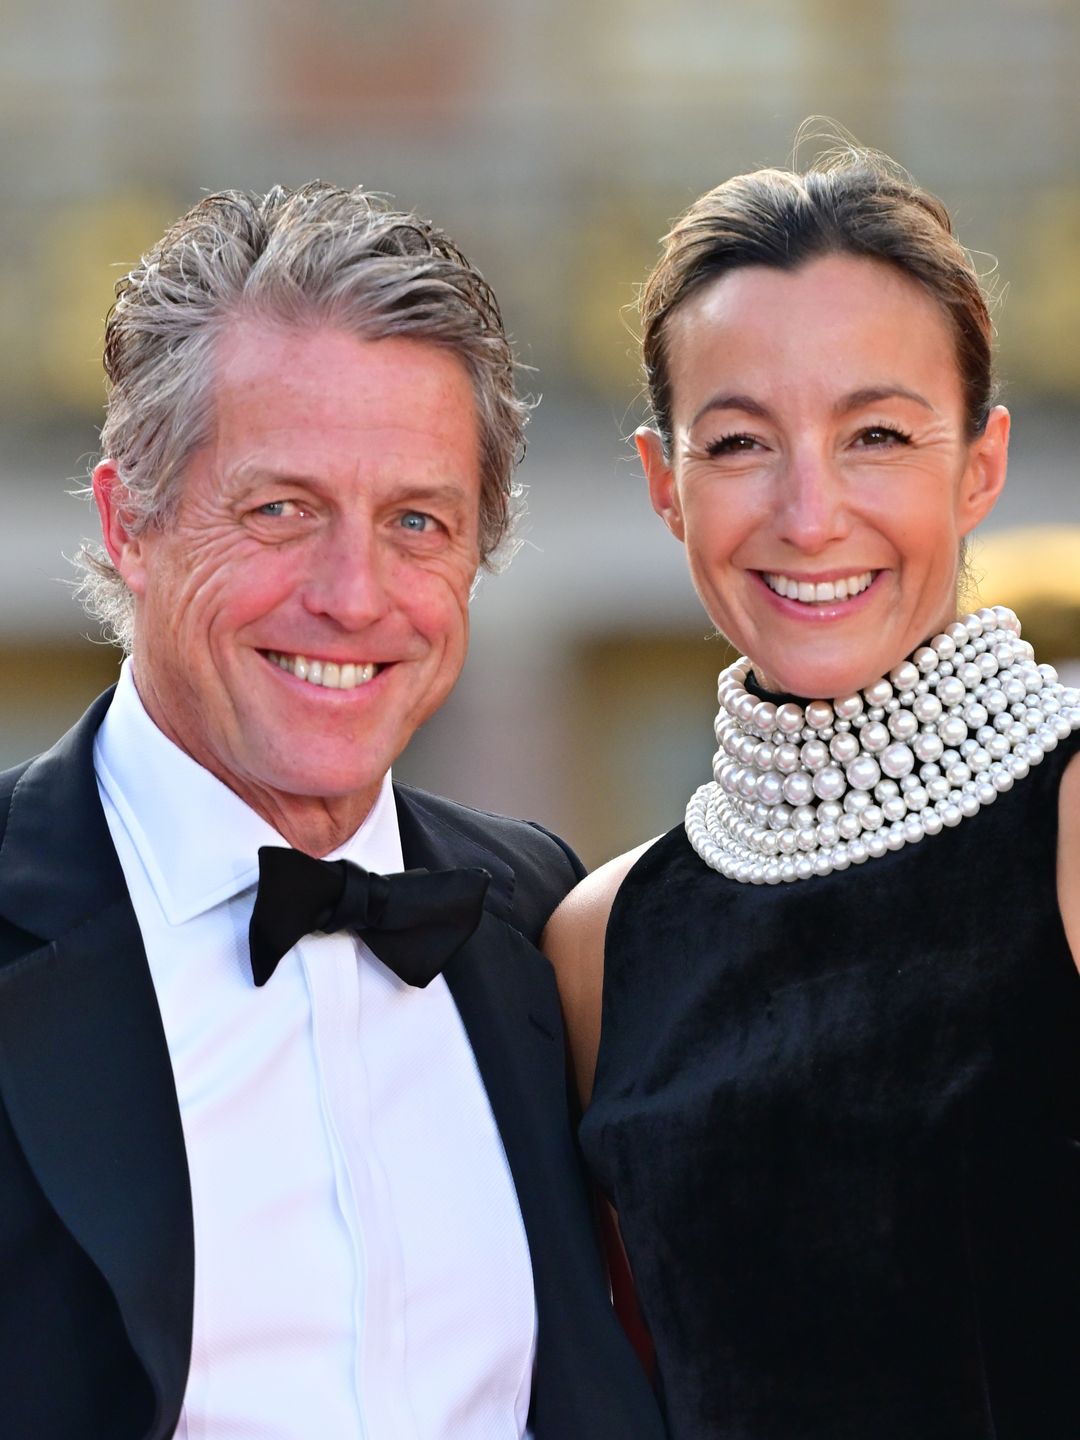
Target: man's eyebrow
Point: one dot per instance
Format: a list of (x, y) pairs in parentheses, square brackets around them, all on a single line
[(874, 394), (745, 403)]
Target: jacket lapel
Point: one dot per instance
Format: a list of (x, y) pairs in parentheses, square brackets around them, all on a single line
[(84, 1066)]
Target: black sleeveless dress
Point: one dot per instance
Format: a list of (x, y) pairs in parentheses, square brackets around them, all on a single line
[(840, 1121)]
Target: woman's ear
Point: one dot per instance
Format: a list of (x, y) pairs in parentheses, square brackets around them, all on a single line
[(663, 490), (123, 548), (984, 476)]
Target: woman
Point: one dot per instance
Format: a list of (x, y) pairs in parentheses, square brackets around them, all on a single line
[(835, 1099)]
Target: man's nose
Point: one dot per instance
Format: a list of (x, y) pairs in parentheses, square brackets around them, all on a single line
[(348, 582), (812, 504)]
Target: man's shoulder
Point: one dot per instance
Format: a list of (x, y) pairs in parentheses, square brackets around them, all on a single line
[(544, 867)]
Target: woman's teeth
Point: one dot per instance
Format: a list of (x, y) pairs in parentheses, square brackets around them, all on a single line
[(825, 590), (326, 673)]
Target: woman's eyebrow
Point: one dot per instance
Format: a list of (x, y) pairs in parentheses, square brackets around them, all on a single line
[(874, 394), (745, 403)]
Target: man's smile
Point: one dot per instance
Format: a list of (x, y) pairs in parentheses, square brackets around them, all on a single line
[(328, 673)]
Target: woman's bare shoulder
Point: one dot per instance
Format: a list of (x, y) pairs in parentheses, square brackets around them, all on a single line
[(1069, 854), (582, 917), (574, 943)]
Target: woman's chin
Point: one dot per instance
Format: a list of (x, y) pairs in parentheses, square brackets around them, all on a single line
[(821, 681)]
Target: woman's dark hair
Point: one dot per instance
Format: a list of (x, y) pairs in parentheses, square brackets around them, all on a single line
[(850, 202)]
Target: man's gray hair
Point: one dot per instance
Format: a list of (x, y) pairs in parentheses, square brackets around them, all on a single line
[(316, 255)]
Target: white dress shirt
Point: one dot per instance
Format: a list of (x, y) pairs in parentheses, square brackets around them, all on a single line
[(361, 1268)]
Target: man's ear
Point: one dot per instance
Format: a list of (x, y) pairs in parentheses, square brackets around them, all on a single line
[(663, 492), (124, 549), (985, 474)]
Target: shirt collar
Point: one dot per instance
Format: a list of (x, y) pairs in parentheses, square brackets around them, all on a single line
[(197, 840)]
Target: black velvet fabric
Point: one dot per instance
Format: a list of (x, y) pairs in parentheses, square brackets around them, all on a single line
[(840, 1121)]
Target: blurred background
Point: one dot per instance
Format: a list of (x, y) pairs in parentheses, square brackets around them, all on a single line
[(554, 141)]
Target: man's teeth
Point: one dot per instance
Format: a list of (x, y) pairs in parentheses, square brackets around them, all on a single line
[(326, 673), (811, 594)]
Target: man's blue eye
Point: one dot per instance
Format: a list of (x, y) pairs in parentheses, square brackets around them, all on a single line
[(272, 507), (415, 520)]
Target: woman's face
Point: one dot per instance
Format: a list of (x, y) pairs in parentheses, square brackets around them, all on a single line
[(820, 474)]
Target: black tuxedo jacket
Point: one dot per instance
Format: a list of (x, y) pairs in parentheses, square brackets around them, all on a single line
[(96, 1246)]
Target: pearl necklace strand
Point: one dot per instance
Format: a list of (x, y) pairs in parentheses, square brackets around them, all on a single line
[(805, 790)]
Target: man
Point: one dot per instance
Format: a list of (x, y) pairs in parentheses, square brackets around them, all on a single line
[(260, 1173)]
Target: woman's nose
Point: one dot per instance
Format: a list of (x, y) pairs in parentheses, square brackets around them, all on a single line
[(812, 508)]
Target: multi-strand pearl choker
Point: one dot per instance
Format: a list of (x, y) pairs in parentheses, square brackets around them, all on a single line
[(801, 790)]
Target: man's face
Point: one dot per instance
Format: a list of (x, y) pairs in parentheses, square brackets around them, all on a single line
[(307, 608)]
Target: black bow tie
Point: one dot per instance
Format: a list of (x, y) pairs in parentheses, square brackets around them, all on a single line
[(413, 921)]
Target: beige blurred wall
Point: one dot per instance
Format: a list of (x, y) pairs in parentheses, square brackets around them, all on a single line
[(554, 141)]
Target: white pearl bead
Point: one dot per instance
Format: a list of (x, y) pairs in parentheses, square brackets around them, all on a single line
[(951, 690), (771, 789), (875, 846), (927, 708), (848, 706), (829, 783), (857, 851), (798, 788), (931, 822), (844, 747), (945, 646), (874, 737), (928, 746), (863, 773), (814, 754), (926, 658), (764, 716), (952, 730), (746, 786), (856, 801), (789, 718), (878, 693), (746, 750), (903, 725), (873, 817), (895, 808), (819, 714), (786, 758), (904, 676), (897, 760)]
